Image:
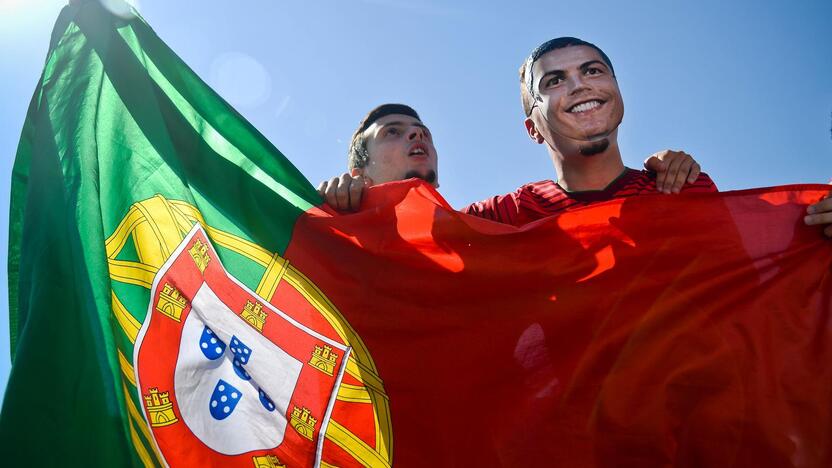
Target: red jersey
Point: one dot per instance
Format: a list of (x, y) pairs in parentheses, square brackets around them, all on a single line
[(546, 198)]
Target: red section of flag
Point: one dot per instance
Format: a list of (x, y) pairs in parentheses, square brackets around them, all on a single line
[(650, 331)]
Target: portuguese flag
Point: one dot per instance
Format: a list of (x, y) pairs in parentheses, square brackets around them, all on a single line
[(179, 297)]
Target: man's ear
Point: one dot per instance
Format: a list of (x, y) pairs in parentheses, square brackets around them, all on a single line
[(357, 171), (531, 129)]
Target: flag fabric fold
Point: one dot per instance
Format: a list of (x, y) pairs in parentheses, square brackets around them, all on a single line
[(179, 297)]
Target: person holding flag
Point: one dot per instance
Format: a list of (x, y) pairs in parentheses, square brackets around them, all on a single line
[(178, 296), (572, 103), (392, 143)]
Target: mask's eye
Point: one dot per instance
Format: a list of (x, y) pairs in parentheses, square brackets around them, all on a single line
[(553, 81), (393, 131)]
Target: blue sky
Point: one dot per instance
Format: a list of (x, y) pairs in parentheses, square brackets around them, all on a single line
[(746, 87)]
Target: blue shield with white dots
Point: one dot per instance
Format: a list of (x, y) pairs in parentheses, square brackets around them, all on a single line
[(211, 346), (224, 400), (234, 399), (242, 354), (265, 400), (240, 350), (240, 370)]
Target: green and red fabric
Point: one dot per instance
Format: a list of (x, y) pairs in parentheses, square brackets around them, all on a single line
[(178, 296)]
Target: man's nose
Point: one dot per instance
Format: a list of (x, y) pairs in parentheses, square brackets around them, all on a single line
[(416, 133)]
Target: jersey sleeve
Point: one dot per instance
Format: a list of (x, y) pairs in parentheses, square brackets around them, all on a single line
[(502, 208)]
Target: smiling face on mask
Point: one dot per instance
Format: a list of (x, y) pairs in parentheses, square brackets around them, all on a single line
[(577, 106)]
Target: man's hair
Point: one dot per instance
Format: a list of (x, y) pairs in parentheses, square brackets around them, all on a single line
[(357, 154), (527, 92)]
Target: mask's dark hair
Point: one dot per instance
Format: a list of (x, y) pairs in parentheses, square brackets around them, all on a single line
[(527, 93), (357, 154)]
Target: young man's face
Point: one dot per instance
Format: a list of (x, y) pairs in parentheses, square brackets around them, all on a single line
[(580, 98), (399, 147)]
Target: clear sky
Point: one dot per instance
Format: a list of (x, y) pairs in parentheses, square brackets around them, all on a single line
[(744, 86)]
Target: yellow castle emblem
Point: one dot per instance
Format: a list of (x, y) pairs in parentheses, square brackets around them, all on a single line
[(253, 314), (171, 302), (159, 408), (199, 252), (303, 422), (324, 359), (267, 461)]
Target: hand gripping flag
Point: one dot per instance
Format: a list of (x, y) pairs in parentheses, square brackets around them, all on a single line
[(177, 298)]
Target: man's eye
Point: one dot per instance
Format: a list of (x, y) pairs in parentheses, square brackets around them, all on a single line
[(593, 71)]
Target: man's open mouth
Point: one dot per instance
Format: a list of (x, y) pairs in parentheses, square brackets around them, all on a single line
[(418, 149), (585, 106)]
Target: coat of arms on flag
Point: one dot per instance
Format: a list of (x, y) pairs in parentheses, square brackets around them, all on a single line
[(229, 367), (228, 375)]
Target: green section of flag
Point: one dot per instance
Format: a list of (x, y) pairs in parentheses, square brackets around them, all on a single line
[(118, 120)]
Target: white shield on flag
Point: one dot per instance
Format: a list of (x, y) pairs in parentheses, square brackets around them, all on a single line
[(220, 367)]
